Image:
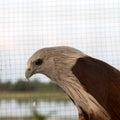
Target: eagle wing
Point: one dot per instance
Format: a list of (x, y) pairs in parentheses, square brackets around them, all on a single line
[(102, 81)]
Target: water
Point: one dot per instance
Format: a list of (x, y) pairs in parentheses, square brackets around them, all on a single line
[(23, 108)]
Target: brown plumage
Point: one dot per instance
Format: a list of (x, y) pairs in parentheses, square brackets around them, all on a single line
[(93, 85), (102, 81)]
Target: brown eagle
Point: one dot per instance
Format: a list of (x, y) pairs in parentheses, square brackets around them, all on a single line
[(93, 85)]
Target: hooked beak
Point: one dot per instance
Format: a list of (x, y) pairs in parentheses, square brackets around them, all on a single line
[(28, 73)]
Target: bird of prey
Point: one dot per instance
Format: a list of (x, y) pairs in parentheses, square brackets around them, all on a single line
[(93, 85)]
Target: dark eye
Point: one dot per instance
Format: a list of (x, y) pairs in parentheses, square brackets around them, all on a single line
[(38, 62)]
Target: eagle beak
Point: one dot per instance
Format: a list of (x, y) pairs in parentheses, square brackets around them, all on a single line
[(28, 73)]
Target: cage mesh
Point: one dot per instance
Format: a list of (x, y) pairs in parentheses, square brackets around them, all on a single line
[(92, 26)]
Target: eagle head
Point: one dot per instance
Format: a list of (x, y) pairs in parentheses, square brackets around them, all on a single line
[(51, 61)]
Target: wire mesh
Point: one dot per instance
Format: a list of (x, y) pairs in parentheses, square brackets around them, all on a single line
[(92, 26)]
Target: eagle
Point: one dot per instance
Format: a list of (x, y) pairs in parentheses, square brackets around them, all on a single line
[(92, 84)]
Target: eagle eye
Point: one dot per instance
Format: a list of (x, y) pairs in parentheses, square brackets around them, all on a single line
[(38, 62)]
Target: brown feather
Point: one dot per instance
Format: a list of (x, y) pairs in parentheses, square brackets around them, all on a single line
[(102, 81)]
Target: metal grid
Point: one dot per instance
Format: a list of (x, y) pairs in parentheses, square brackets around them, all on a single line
[(92, 26)]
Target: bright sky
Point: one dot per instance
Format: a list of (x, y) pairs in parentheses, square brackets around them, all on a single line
[(92, 26)]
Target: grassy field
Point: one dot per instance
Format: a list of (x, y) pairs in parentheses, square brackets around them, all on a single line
[(34, 95)]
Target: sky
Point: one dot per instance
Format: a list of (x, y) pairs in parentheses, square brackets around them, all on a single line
[(92, 26)]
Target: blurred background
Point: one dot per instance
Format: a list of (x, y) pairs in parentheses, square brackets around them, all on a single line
[(92, 26)]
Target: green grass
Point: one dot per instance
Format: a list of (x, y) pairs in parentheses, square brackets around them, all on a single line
[(46, 95)]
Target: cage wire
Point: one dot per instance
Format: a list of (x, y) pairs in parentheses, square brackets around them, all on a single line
[(92, 26)]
